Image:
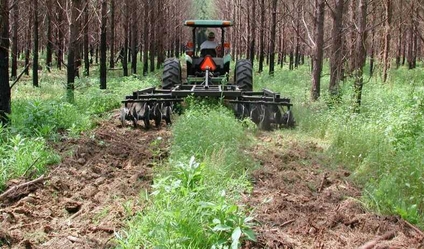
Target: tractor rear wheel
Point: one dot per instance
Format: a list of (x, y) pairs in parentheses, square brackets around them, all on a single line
[(243, 75), (171, 73)]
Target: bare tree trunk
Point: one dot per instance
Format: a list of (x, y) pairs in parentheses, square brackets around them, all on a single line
[(318, 49), (159, 35), (360, 52), (291, 60), (146, 38), (126, 39), (103, 47), (60, 40), (134, 38), (86, 45), (49, 48), (273, 35), (372, 52), (35, 49), (152, 49), (386, 62), (262, 45), (15, 29), (352, 36), (399, 38), (336, 63), (112, 34), (73, 42), (5, 96), (297, 46), (411, 38)]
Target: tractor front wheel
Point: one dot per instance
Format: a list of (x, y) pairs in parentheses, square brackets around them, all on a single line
[(243, 75), (171, 73)]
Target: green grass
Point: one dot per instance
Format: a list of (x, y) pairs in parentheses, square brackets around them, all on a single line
[(194, 198)]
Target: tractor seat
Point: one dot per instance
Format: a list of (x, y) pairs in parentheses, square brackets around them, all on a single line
[(208, 51)]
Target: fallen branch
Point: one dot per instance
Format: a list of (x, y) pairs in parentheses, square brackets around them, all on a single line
[(371, 244), (23, 185), (287, 223), (323, 182), (103, 229), (19, 76), (32, 165), (414, 228)]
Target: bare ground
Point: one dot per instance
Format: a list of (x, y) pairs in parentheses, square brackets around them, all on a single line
[(88, 196), (299, 202), (302, 203)]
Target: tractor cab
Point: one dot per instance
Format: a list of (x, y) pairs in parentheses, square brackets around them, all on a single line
[(201, 59)]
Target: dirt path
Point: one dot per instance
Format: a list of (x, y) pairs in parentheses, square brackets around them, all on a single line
[(301, 203), (89, 194)]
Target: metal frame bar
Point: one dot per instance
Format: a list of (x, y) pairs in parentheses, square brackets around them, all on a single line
[(228, 92)]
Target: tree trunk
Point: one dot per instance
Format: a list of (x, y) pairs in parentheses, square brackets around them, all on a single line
[(112, 34), (318, 49), (152, 48), (134, 38), (262, 45), (352, 37), (291, 60), (146, 39), (73, 42), (159, 35), (5, 106), (386, 62), (35, 49), (126, 39), (60, 40), (103, 47), (411, 38), (360, 53), (86, 45), (336, 61), (49, 47), (15, 29), (273, 35), (372, 52)]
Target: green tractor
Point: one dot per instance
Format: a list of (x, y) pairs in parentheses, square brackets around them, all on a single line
[(208, 75), (207, 65)]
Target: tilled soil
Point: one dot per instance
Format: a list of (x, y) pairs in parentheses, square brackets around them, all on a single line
[(300, 202), (89, 195)]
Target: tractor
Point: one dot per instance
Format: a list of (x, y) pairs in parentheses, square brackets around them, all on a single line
[(207, 74)]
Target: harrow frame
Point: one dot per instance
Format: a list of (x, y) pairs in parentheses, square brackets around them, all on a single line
[(265, 108)]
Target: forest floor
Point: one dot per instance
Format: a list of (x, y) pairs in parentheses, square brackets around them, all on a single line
[(298, 201)]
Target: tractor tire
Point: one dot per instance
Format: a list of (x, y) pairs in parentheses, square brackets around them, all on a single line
[(171, 73), (243, 75)]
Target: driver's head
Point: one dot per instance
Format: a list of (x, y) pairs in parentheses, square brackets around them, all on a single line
[(211, 36)]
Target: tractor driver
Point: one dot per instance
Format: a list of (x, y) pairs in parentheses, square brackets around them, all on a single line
[(209, 44)]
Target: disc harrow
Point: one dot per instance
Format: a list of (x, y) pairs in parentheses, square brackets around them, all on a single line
[(267, 109)]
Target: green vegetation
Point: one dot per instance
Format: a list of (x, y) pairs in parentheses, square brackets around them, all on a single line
[(42, 114), (382, 145), (194, 198)]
